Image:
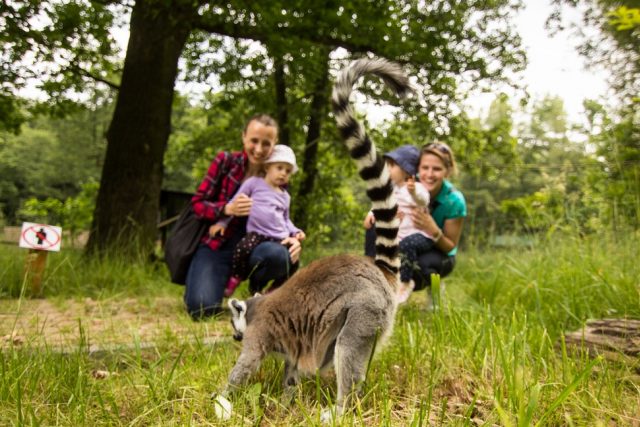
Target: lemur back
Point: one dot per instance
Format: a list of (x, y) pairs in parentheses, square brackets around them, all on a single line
[(337, 309)]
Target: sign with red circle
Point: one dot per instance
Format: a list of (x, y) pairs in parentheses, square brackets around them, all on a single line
[(40, 236)]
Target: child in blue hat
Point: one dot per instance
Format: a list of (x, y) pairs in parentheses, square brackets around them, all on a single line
[(403, 165)]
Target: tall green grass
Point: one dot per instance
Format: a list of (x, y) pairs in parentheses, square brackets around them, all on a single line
[(491, 354), (71, 274), (558, 283)]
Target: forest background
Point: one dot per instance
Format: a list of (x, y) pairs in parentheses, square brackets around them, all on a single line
[(94, 153), (112, 345)]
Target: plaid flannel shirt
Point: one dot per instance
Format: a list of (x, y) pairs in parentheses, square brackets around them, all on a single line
[(216, 190)]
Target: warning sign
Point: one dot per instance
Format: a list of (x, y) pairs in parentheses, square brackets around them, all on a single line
[(40, 236)]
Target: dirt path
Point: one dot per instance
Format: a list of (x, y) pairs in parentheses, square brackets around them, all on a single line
[(64, 324)]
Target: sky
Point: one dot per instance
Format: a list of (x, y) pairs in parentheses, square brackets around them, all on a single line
[(554, 68)]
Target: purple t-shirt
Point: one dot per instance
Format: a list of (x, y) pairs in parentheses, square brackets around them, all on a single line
[(269, 213)]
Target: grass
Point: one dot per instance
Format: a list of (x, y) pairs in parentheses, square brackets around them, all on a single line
[(492, 354)]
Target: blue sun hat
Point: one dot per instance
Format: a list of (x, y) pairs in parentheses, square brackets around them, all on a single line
[(407, 157)]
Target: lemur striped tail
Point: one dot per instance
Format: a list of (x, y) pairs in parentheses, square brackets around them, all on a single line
[(371, 166)]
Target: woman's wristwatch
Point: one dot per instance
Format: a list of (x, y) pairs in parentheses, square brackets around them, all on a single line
[(437, 236)]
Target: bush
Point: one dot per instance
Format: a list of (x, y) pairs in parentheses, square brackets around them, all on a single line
[(74, 214)]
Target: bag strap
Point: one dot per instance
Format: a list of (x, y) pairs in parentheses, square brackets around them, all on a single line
[(226, 165)]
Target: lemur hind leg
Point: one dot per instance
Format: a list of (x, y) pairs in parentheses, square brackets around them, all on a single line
[(354, 346), (291, 375), (290, 380)]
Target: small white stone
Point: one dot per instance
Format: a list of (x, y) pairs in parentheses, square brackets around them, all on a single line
[(222, 407)]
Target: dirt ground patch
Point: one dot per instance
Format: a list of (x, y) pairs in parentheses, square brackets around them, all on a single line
[(66, 324)]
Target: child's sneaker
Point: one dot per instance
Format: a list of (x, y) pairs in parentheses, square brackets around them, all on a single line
[(404, 291), (232, 284)]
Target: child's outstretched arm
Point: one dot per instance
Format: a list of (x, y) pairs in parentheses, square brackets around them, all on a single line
[(419, 194)]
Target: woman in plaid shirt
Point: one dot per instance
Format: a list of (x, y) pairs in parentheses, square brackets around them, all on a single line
[(211, 264)]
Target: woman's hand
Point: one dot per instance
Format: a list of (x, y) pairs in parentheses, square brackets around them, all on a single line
[(294, 248), (215, 229), (446, 238), (240, 206), (424, 221), (369, 220), (300, 235)]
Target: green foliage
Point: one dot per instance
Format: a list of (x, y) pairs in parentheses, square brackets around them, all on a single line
[(549, 178), (617, 46), (624, 18), (538, 211), (514, 179), (62, 46), (11, 115), (51, 158), (617, 182), (47, 211), (424, 37), (337, 204), (74, 214), (185, 160), (438, 42), (608, 39)]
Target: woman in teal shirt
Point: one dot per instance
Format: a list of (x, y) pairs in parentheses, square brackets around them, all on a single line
[(447, 210), (443, 222)]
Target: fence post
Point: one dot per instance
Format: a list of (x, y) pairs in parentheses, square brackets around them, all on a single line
[(34, 270)]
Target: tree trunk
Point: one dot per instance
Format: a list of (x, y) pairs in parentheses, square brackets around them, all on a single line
[(317, 114), (281, 100), (127, 204), (614, 339)]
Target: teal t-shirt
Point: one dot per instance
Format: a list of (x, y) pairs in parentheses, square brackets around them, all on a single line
[(448, 204)]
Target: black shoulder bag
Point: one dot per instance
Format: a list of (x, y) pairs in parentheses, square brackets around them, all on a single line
[(182, 243), (184, 238)]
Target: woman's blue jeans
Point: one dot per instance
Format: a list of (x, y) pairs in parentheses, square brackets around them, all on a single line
[(210, 270)]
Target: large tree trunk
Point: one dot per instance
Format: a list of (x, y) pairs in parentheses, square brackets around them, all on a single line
[(310, 162), (281, 100), (127, 205)]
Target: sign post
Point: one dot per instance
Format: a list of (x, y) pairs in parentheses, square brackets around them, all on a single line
[(39, 239)]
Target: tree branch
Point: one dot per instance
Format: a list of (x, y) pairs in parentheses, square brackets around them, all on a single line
[(110, 2), (92, 76), (206, 23)]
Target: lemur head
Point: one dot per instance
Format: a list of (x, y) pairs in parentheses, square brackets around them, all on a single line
[(239, 320)]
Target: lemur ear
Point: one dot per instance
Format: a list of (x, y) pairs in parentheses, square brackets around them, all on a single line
[(235, 305), (257, 294)]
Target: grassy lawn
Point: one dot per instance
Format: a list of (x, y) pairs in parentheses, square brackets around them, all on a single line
[(111, 345)]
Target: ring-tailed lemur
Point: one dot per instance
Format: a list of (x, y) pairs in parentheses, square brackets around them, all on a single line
[(333, 311)]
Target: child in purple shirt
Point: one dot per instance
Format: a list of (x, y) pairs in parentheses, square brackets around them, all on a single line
[(269, 216)]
